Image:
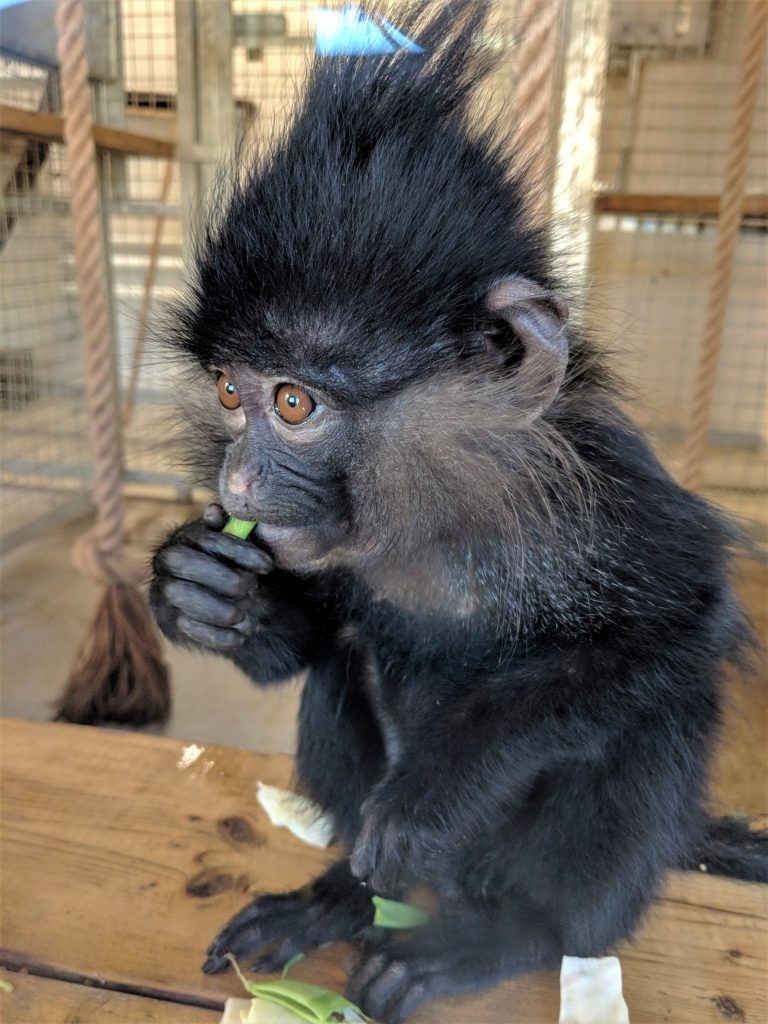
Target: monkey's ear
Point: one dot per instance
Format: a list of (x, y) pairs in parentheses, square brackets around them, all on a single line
[(538, 318)]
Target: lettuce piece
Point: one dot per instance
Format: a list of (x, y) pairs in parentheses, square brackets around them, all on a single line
[(298, 814)]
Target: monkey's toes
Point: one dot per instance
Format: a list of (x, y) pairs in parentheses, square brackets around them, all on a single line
[(277, 927)]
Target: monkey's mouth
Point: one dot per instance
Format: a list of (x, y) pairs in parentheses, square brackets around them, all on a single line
[(296, 547), (275, 538)]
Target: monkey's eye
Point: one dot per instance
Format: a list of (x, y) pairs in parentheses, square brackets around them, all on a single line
[(293, 404), (228, 395)]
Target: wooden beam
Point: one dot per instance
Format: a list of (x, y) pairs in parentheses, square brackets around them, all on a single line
[(42, 125), (119, 141), (675, 205), (36, 124), (32, 123)]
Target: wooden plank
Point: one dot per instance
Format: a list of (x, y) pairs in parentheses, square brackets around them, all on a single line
[(123, 854), (701, 956), (31, 123), (678, 205), (37, 124), (131, 143), (45, 1000)]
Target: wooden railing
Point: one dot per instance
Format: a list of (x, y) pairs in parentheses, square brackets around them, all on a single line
[(40, 125)]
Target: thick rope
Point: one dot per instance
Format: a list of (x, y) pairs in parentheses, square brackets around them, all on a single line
[(728, 225), (119, 674), (536, 54), (99, 553)]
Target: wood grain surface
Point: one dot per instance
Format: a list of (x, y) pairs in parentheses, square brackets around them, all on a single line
[(37, 1000), (123, 854)]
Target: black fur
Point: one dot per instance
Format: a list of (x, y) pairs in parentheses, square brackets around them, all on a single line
[(514, 622)]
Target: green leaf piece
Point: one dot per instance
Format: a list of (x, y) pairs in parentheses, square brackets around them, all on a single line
[(294, 960), (241, 528), (310, 1003), (391, 914)]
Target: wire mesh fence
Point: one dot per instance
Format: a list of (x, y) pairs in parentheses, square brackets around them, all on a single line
[(665, 136), (645, 92), (142, 197), (45, 456)]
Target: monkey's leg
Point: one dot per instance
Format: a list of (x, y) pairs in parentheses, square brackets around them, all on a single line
[(474, 950), (277, 927)]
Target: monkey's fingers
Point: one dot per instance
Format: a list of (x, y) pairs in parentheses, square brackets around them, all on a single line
[(262, 907), (332, 926), (255, 934), (364, 855), (214, 516), (392, 982), (283, 918), (186, 563), (242, 553), (332, 908), (199, 603), (212, 637), (381, 855)]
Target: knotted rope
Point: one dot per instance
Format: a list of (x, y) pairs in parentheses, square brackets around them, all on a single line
[(728, 225), (119, 674)]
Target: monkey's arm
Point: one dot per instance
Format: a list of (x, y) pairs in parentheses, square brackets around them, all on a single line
[(222, 594), (466, 770)]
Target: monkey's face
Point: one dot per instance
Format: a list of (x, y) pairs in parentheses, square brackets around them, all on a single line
[(285, 465), (337, 472)]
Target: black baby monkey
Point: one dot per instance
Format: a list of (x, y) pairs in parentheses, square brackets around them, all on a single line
[(513, 622)]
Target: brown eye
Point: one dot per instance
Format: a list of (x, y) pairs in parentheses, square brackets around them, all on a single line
[(292, 403), (228, 395)]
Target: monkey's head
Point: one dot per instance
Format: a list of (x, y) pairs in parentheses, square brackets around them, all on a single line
[(376, 314)]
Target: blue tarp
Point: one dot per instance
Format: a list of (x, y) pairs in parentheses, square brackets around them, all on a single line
[(347, 32)]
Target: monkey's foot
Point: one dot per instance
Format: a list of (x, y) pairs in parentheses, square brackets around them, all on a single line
[(332, 908), (389, 983)]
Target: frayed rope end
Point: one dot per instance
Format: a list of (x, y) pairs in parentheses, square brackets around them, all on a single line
[(119, 674)]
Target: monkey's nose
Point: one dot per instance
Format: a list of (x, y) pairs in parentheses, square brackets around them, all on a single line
[(239, 482)]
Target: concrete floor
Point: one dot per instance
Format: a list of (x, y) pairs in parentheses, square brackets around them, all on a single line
[(47, 606)]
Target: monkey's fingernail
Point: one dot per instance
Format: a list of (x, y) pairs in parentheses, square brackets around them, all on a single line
[(214, 964)]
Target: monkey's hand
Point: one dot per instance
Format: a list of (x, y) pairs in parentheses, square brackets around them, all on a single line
[(205, 584), (223, 594), (399, 839)]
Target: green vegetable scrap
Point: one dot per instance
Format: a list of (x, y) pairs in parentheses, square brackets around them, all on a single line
[(310, 1003), (6, 986), (241, 528), (391, 914), (294, 960)]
